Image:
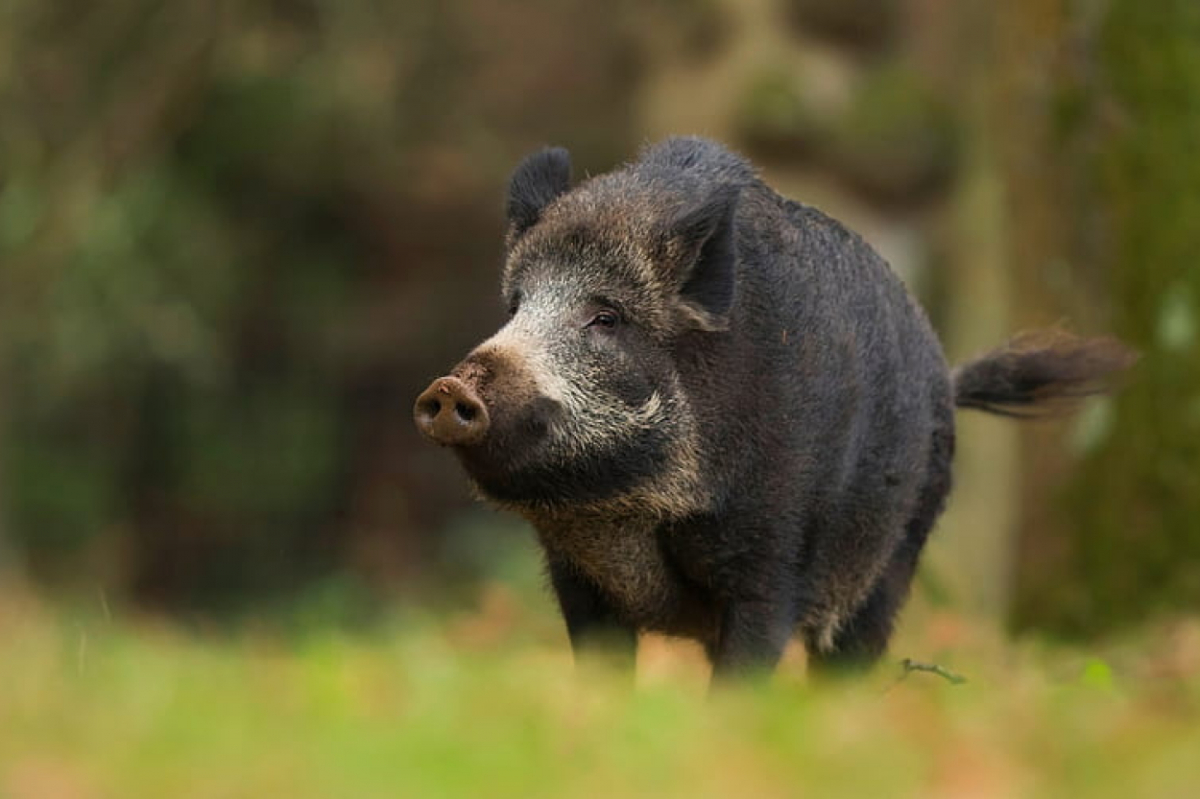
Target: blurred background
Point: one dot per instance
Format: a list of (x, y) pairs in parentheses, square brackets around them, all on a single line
[(237, 239)]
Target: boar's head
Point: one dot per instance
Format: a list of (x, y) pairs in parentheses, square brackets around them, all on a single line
[(614, 289)]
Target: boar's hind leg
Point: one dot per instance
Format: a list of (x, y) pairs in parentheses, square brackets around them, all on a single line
[(592, 625), (863, 638)]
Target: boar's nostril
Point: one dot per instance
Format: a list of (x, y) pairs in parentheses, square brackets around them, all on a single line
[(428, 408), (450, 413)]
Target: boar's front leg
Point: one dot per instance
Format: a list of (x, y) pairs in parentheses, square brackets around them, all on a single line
[(751, 637), (592, 624)]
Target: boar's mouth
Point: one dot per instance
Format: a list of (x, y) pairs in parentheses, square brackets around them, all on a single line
[(516, 438), (553, 473)]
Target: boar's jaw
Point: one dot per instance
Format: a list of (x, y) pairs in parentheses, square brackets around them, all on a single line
[(541, 460), (536, 459), (544, 479)]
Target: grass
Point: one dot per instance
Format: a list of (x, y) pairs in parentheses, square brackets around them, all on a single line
[(487, 703)]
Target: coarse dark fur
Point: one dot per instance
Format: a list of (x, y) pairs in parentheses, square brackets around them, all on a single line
[(722, 412)]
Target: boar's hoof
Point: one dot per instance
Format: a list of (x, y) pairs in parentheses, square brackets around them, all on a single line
[(451, 414)]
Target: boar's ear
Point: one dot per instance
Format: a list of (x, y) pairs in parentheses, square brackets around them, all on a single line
[(535, 183), (699, 249)]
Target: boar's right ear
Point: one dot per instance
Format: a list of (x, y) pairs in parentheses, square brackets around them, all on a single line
[(536, 182)]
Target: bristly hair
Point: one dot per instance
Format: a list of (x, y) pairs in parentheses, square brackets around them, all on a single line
[(1041, 373)]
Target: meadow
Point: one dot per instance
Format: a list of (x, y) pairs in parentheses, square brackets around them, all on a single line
[(486, 702)]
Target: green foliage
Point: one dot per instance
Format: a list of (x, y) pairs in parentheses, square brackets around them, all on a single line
[(869, 25), (226, 235), (1134, 502), (462, 706), (776, 115), (898, 140), (895, 142)]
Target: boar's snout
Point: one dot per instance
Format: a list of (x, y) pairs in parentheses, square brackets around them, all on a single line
[(451, 414)]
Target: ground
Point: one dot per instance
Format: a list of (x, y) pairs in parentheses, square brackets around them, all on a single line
[(487, 703)]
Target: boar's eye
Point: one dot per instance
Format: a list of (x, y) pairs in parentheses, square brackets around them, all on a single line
[(514, 304), (605, 319)]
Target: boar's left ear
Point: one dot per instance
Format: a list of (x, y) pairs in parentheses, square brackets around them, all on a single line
[(699, 249), (536, 182)]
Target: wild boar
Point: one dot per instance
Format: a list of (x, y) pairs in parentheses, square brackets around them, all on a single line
[(722, 412)]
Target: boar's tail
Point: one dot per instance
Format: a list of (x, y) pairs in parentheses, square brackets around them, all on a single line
[(1040, 373)]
